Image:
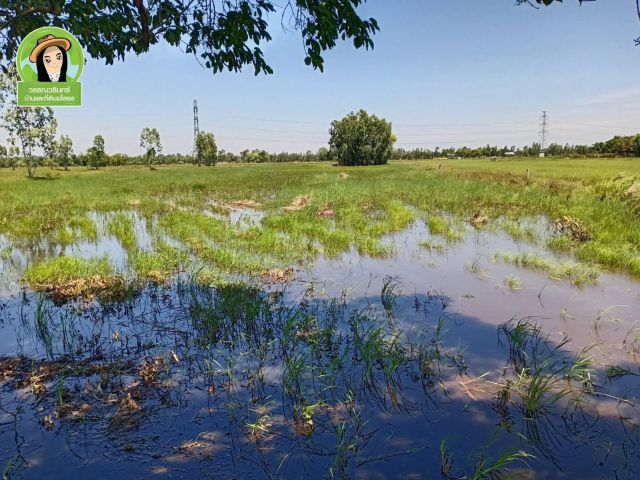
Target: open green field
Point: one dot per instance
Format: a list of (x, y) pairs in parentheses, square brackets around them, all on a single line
[(315, 209), (586, 170)]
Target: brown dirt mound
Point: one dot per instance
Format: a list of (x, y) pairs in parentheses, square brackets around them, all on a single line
[(326, 212), (298, 203), (479, 219)]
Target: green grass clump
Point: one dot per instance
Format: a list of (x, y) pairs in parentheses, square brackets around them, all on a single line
[(230, 248), (79, 227), (577, 273), (485, 466), (518, 231), (625, 188), (157, 265), (121, 226), (441, 226), (210, 276), (65, 269), (513, 283), (560, 243)]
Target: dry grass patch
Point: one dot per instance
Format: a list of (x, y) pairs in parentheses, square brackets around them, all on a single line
[(572, 228), (151, 369), (86, 288), (277, 275), (245, 204)]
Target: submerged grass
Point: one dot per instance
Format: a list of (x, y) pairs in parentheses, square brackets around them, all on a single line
[(577, 273), (445, 227), (158, 265), (121, 226), (231, 248), (310, 370), (520, 231), (513, 283), (483, 466)]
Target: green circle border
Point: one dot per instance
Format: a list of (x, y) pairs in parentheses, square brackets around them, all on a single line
[(29, 42)]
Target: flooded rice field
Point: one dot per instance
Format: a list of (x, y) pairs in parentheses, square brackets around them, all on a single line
[(477, 358)]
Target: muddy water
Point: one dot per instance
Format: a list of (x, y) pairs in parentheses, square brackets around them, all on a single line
[(199, 416)]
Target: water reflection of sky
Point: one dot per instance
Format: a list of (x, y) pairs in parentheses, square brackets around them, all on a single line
[(209, 390)]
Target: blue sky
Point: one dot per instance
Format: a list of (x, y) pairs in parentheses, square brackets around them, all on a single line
[(445, 72)]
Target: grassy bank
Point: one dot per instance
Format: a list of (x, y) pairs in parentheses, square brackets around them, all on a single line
[(315, 208)]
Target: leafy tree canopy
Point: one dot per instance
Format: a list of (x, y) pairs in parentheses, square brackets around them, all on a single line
[(361, 139), (222, 34), (150, 142), (206, 150), (96, 153)]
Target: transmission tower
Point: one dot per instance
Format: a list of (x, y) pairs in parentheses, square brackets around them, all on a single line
[(544, 130), (196, 124)]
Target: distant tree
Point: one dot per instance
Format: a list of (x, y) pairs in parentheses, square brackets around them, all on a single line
[(49, 159), (13, 153), (620, 146), (536, 149), (323, 154), (206, 149), (150, 142), (96, 154), (636, 145), (118, 159), (361, 139), (554, 149), (64, 151), (30, 127)]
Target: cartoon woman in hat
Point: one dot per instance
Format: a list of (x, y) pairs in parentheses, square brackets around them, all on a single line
[(50, 57)]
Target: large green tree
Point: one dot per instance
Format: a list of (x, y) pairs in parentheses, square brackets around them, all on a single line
[(361, 139), (206, 150), (222, 34)]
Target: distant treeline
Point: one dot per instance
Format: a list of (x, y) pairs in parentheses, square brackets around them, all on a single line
[(618, 146), (120, 159)]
